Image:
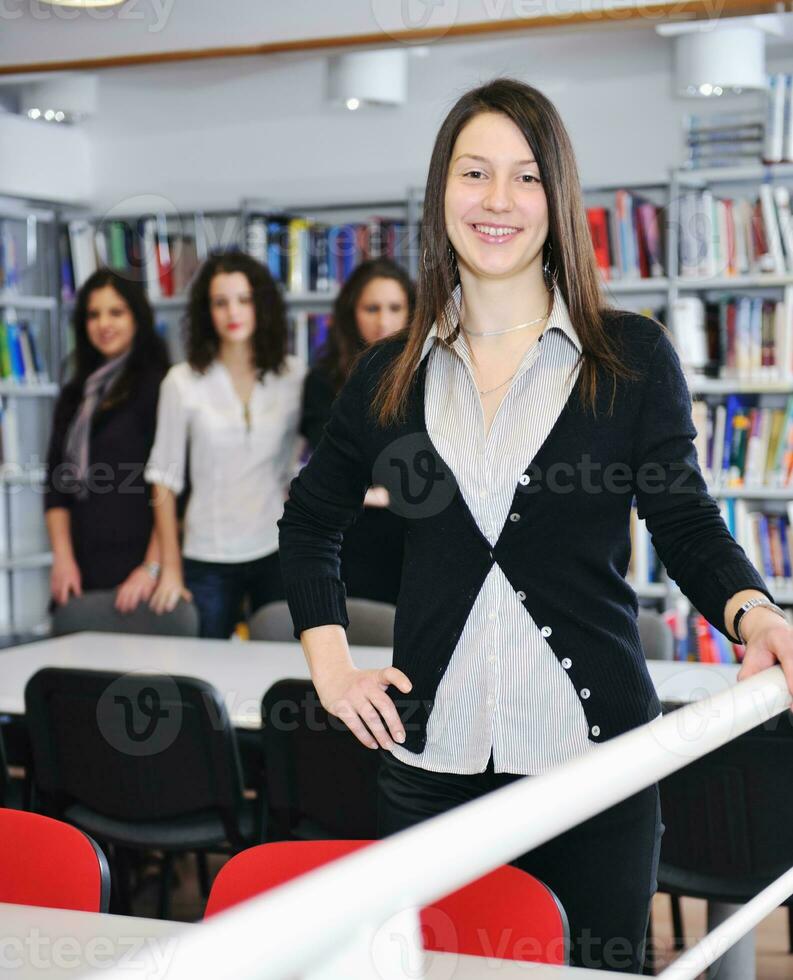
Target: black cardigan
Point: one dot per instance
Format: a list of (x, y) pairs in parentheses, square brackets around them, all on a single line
[(564, 547), (373, 547), (111, 528)]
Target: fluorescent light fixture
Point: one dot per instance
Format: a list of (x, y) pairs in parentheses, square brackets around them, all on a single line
[(721, 57), (362, 78)]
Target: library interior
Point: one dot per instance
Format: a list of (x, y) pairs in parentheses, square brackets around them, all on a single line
[(301, 303)]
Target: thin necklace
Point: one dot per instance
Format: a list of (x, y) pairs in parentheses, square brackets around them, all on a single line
[(495, 333), (488, 390)]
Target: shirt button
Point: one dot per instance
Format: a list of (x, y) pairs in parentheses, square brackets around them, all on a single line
[(490, 702), (521, 595), (514, 517), (585, 692), (492, 614), (491, 659), (483, 493), (524, 479), (546, 631), (596, 730), (567, 663)]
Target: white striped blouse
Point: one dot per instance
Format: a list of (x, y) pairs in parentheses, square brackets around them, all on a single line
[(504, 691)]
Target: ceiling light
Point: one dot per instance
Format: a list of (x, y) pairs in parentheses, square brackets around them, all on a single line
[(362, 78), (714, 58)]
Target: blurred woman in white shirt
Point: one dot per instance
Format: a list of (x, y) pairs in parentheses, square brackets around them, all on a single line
[(235, 403)]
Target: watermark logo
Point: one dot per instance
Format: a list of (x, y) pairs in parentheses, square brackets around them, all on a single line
[(140, 714)]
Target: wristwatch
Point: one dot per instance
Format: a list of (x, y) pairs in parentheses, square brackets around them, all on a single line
[(153, 568), (750, 604)]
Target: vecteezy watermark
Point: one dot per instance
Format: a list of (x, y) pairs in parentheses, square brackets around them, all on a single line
[(140, 713), (395, 17), (147, 956), (418, 481), (155, 14)]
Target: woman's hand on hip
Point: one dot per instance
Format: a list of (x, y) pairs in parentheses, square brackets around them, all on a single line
[(170, 589), (358, 698), (65, 578)]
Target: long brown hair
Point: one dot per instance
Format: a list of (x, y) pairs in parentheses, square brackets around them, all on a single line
[(568, 235), (345, 344)]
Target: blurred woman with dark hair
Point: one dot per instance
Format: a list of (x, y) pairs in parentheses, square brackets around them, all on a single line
[(97, 504), (236, 403), (375, 302)]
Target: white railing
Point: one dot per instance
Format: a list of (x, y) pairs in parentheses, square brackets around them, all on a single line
[(357, 918)]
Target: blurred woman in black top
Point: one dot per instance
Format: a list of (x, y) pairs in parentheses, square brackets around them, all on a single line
[(97, 508), (376, 301)]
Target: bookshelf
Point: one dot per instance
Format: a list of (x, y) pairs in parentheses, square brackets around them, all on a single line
[(657, 291), (29, 354)]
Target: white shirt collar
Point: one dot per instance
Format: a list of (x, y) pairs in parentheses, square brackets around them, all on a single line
[(559, 319)]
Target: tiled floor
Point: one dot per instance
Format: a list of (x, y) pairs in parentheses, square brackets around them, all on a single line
[(774, 962)]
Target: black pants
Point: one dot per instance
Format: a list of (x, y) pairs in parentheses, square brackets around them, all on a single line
[(219, 589), (603, 871)]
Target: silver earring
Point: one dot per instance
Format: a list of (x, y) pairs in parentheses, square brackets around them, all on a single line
[(452, 260), (551, 276)]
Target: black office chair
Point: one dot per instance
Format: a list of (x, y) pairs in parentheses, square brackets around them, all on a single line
[(320, 782), (142, 762), (729, 819), (96, 611)]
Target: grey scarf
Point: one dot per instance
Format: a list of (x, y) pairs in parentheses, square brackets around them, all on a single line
[(97, 384)]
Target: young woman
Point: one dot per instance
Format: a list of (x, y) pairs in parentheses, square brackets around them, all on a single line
[(375, 302), (513, 423), (235, 404), (97, 504)]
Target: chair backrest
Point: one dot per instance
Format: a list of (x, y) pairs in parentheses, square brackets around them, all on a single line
[(133, 747), (319, 781), (371, 623), (657, 639), (96, 611), (729, 817), (49, 863), (474, 920)]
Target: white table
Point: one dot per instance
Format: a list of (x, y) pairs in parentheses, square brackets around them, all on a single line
[(242, 672), (54, 943)]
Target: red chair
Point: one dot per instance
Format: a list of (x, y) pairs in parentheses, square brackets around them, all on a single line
[(49, 863), (507, 914)]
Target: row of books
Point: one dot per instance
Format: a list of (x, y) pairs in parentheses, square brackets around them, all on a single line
[(747, 338), (628, 238), (766, 537), (698, 640), (778, 143), (725, 236), (20, 358), (143, 250), (645, 567), (310, 256), (724, 139), (741, 444), (9, 258)]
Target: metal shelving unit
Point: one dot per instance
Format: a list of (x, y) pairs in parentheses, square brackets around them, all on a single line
[(27, 408)]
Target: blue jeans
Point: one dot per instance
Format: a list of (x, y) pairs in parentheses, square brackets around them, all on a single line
[(219, 589)]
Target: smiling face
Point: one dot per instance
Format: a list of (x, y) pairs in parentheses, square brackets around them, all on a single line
[(381, 310), (109, 322), (495, 205), (231, 306)]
